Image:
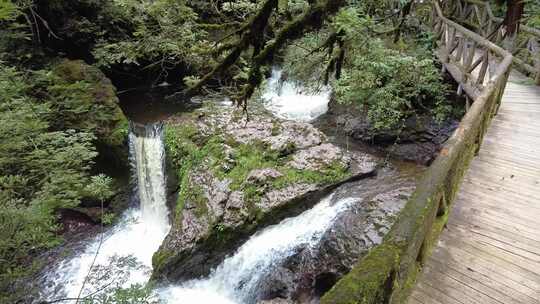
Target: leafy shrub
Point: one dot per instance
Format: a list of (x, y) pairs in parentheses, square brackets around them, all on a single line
[(42, 169), (392, 86)]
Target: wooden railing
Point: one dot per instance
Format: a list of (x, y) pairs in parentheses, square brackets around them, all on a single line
[(388, 271), (479, 16)]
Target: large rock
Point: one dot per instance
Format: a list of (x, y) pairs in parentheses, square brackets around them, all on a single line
[(419, 141), (98, 106), (237, 176)]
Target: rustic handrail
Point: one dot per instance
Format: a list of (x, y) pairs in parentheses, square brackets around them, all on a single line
[(479, 15), (467, 56), (387, 273)]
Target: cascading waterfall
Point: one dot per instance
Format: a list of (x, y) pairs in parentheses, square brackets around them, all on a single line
[(125, 254), (288, 101), (140, 231), (238, 278), (148, 156)]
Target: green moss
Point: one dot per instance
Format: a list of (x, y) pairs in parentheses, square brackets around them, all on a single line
[(71, 70), (276, 128), (159, 259), (405, 290), (248, 158), (120, 132), (364, 283), (187, 149), (196, 195), (332, 173)]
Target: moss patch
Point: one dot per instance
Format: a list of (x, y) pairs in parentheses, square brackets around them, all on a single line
[(363, 283), (160, 257)]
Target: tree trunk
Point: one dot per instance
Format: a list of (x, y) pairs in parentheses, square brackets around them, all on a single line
[(514, 12)]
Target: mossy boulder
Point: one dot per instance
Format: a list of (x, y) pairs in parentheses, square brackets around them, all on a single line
[(88, 102), (236, 176)]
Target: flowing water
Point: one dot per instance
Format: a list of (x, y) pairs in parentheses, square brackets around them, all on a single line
[(288, 100), (237, 279), (127, 248)]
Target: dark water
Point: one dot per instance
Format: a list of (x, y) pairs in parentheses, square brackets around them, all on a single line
[(146, 106)]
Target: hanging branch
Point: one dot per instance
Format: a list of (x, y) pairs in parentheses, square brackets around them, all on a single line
[(252, 32), (263, 53), (311, 20)]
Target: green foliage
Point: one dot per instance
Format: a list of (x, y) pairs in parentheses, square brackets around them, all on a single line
[(392, 85), (165, 34), (532, 13), (43, 167), (390, 81), (8, 10), (33, 166), (100, 187), (135, 294)]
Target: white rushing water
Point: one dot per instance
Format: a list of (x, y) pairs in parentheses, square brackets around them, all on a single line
[(126, 249), (289, 101), (237, 278)]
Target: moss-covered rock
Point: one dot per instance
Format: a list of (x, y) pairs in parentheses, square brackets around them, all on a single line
[(88, 102), (236, 176)]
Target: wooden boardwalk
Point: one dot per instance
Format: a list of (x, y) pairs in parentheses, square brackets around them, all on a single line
[(490, 251)]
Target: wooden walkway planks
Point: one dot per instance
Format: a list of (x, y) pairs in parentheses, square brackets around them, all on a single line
[(490, 250)]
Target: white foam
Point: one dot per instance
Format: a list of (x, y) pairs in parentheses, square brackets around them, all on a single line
[(139, 232), (237, 278), (288, 101)]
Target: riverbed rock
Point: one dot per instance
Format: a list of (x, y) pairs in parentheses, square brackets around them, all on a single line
[(236, 176), (311, 271), (419, 141)]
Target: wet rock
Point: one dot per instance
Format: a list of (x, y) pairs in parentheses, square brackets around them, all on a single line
[(318, 157), (74, 221), (275, 169)]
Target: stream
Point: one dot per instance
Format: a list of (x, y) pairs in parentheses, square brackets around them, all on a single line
[(122, 256)]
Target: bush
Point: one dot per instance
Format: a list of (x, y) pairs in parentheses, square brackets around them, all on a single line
[(392, 86), (43, 167)]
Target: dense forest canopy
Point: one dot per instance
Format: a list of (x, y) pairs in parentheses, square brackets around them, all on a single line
[(59, 115)]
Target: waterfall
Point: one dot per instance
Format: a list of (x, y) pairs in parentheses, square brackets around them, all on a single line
[(125, 255), (238, 278), (290, 101), (148, 156)]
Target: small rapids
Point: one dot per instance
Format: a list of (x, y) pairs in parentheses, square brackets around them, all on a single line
[(238, 278), (126, 250), (288, 101)]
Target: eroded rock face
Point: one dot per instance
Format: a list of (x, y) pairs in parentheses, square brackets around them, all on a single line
[(419, 141), (308, 274), (252, 174)]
